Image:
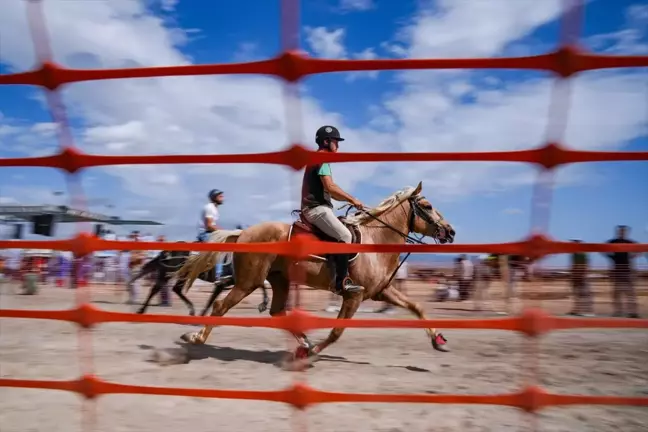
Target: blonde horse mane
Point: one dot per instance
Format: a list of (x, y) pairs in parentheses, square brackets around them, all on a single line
[(361, 218)]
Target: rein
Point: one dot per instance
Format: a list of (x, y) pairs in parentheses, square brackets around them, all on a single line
[(414, 211), (168, 256)]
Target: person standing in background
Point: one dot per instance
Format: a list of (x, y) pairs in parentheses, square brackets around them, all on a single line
[(111, 264), (401, 278), (132, 259), (13, 263), (123, 258), (149, 255), (465, 277), (513, 268), (583, 305), (165, 298), (622, 275), (503, 267), (482, 276), (3, 276)]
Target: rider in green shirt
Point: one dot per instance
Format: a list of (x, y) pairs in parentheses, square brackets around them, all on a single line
[(317, 191)]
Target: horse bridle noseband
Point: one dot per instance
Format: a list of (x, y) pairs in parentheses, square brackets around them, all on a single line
[(418, 211)]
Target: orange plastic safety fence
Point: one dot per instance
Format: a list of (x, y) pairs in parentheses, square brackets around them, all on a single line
[(292, 65)]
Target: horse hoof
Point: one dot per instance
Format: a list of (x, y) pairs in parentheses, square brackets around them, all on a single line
[(303, 358), (262, 307), (191, 338), (302, 353), (439, 342), (192, 312)]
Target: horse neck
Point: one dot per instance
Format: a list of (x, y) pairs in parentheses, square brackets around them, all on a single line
[(397, 218)]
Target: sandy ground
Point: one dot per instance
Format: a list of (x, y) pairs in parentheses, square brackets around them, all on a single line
[(377, 361)]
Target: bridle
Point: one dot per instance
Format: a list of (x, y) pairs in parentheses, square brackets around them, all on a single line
[(415, 210)]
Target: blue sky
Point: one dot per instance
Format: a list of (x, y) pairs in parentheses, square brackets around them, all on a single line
[(389, 111)]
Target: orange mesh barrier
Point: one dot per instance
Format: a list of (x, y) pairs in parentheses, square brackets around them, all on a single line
[(291, 65)]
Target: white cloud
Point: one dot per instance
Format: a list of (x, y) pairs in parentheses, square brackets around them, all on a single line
[(365, 54), (628, 41), (631, 40), (326, 43), (461, 28), (28, 195), (357, 5), (394, 48), (8, 200), (247, 51), (7, 129), (638, 15), (447, 111), (428, 111), (330, 44), (169, 5), (139, 212)]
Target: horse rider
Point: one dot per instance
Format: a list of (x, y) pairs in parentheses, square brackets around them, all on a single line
[(210, 215), (209, 221), (317, 190)]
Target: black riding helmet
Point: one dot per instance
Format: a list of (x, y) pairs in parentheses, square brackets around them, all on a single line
[(327, 132), (214, 193)]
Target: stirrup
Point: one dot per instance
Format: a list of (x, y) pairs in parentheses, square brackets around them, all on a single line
[(348, 286)]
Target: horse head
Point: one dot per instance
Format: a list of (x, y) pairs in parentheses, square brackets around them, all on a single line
[(427, 220)]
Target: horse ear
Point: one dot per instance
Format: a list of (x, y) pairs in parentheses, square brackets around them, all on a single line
[(418, 189)]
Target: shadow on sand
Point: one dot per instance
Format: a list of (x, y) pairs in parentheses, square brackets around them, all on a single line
[(187, 352)]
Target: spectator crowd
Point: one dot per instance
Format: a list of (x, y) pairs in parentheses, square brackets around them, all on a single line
[(470, 278)]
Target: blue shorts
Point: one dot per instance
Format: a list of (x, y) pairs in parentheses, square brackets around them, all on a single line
[(202, 237)]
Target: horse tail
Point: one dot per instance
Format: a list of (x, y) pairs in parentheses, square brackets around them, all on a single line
[(204, 261)]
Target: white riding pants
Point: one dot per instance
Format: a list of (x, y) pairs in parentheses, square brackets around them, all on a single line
[(324, 219)]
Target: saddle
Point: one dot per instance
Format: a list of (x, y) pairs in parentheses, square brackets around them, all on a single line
[(302, 227)]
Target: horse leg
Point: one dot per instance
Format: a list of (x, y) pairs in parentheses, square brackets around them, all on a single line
[(221, 307), (218, 289), (156, 288), (263, 306), (350, 304), (280, 292), (177, 288), (394, 297)]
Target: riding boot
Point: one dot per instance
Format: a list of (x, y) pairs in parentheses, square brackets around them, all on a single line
[(343, 282)]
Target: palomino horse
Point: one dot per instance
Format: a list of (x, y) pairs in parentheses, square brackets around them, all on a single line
[(404, 212)]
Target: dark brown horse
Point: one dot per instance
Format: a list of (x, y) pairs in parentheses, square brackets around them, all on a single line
[(167, 262), (391, 222)]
